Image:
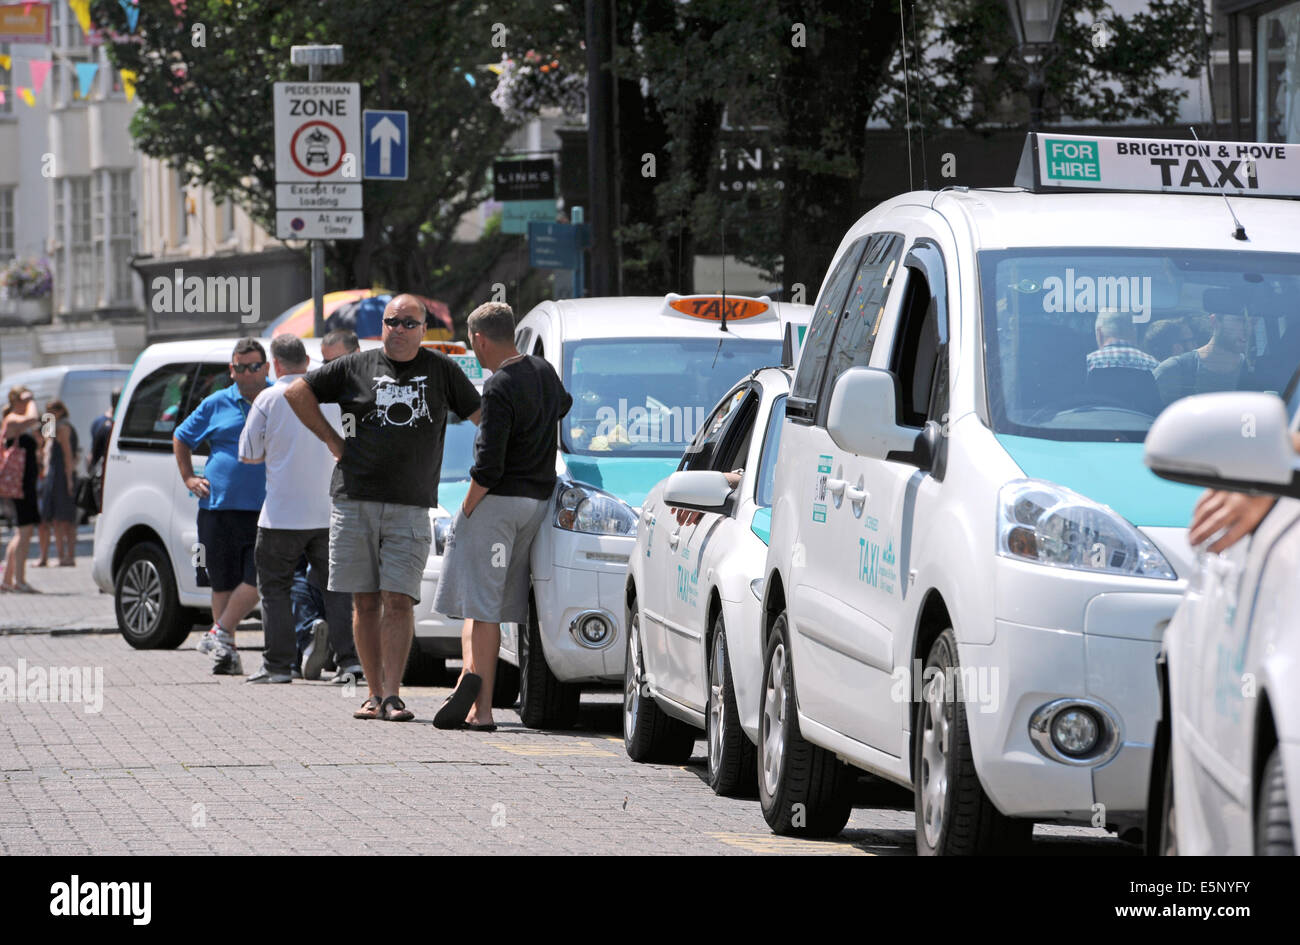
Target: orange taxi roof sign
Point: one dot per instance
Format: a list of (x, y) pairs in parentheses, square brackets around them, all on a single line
[(712, 307), (446, 347)]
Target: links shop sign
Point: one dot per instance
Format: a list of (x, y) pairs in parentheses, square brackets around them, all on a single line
[(1074, 162)]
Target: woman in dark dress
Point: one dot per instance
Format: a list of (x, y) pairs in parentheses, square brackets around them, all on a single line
[(58, 502), (19, 419)]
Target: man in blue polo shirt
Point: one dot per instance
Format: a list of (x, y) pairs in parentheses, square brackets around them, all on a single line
[(230, 499)]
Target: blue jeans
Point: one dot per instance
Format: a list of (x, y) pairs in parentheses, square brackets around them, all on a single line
[(308, 606)]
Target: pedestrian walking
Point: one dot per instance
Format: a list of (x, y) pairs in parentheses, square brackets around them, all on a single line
[(58, 493), (395, 400), (230, 500), (295, 517), (20, 462), (485, 570)]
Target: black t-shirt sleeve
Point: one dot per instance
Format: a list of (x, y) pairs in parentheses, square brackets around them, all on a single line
[(462, 395), (329, 382), (493, 433)]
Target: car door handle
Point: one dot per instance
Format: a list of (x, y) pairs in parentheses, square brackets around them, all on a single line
[(857, 496), (673, 539), (836, 486)]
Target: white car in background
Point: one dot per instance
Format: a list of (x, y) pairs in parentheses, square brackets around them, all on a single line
[(643, 373), (693, 657), (1227, 775)]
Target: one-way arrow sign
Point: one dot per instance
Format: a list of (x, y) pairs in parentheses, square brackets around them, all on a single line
[(387, 143)]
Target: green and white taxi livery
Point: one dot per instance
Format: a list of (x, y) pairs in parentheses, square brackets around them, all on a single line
[(693, 658), (644, 373), (970, 566)]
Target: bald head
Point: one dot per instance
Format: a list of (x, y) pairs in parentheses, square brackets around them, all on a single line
[(401, 343)]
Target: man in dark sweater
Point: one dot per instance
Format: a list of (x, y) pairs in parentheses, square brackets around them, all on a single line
[(485, 571)]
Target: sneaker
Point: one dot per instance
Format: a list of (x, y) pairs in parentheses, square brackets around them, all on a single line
[(296, 673), (264, 675), (227, 662), (317, 651), (347, 675), (212, 641)]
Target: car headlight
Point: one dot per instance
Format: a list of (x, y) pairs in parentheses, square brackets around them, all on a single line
[(441, 529), (583, 508), (1049, 524)]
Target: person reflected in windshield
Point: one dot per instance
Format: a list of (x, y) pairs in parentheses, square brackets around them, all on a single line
[(1218, 365), (1168, 338)]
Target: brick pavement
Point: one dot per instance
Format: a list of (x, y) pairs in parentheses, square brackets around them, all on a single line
[(69, 598), (180, 761)]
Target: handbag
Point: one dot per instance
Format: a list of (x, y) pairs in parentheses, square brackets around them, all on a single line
[(87, 498), (13, 463)]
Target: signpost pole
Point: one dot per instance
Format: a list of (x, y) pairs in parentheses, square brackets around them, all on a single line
[(317, 256)]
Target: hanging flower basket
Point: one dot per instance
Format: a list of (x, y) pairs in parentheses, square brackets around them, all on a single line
[(532, 83), (27, 279)]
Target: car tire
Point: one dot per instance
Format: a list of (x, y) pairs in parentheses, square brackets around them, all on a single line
[(505, 690), (422, 668), (1273, 833), (544, 701), (802, 788), (1165, 840), (650, 735), (732, 763), (954, 817), (148, 610)]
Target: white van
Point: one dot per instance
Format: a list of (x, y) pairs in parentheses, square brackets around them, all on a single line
[(85, 389), (644, 373), (970, 566)]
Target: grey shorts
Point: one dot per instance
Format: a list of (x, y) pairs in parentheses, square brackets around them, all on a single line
[(485, 570), (378, 546)]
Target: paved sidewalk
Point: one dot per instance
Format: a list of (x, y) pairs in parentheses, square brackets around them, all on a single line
[(68, 600), (179, 761)]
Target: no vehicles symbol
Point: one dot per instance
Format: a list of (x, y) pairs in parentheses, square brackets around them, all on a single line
[(317, 148)]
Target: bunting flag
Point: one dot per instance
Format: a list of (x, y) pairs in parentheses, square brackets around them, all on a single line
[(128, 82), (26, 95), (178, 7), (86, 76), (6, 62), (81, 8), (40, 69), (2, 95), (132, 13)]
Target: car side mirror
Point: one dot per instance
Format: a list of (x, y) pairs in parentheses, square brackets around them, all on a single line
[(701, 491), (863, 416), (1238, 440)]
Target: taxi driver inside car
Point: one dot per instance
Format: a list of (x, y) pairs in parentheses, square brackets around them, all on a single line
[(1051, 388)]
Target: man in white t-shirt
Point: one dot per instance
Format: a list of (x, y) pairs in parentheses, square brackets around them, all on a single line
[(295, 518)]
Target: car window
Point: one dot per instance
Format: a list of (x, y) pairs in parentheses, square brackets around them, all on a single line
[(767, 461), (821, 331), (155, 408), (918, 354), (734, 446), (457, 449), (864, 308), (702, 450)]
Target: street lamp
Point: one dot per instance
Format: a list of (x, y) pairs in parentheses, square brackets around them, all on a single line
[(1035, 24)]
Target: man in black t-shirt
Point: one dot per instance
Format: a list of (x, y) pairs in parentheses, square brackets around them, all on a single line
[(394, 401)]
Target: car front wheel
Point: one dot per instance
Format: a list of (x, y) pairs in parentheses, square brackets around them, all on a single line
[(649, 734), (148, 610), (731, 753)]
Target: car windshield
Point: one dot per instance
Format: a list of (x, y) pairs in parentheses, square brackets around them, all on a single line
[(649, 396), (1091, 344), (457, 449)]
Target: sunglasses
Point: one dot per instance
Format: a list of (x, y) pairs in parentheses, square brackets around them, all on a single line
[(407, 323), (250, 368)]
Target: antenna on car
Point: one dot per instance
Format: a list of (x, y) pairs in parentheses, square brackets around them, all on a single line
[(1240, 232), (723, 322), (907, 107), (920, 106)]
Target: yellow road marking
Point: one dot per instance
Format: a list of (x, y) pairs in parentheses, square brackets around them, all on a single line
[(567, 749), (770, 843)]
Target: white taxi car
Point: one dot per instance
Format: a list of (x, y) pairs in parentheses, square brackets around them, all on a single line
[(643, 373), (1231, 652), (693, 661), (970, 567)]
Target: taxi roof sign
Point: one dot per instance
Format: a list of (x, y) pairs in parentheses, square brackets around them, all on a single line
[(712, 307), (1056, 162)]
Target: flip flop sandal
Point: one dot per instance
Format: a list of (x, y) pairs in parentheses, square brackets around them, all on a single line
[(476, 727), (370, 709), (394, 709), (457, 705)]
